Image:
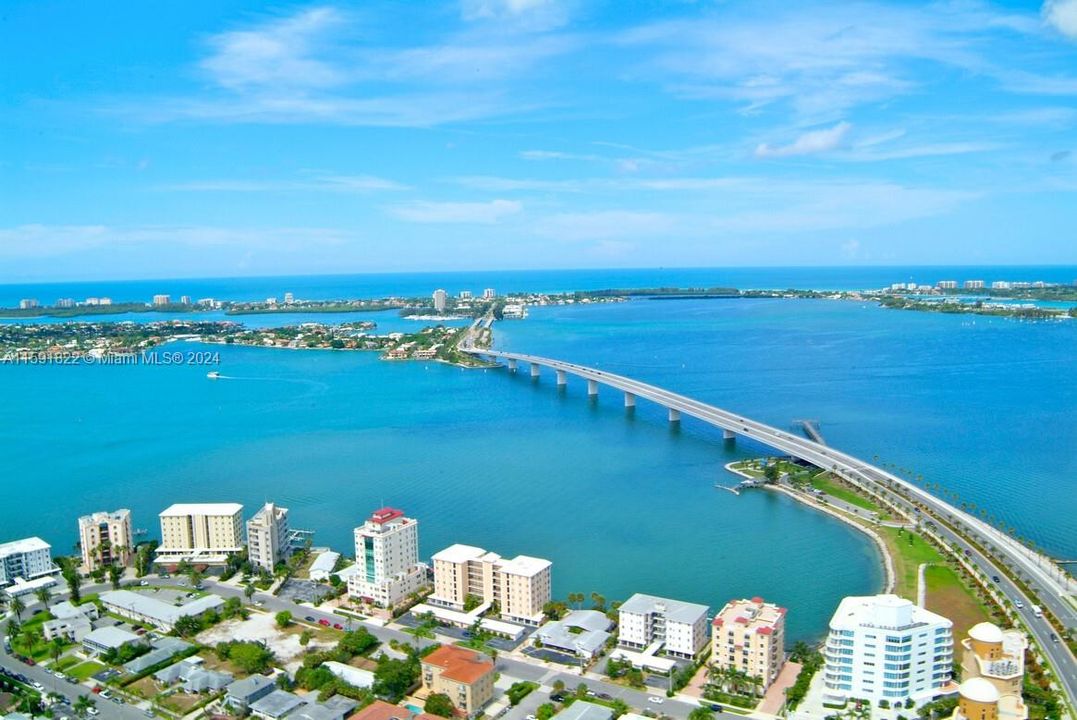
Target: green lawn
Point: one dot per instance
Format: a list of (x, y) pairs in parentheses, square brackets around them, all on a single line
[(907, 557), (948, 596), (84, 671), (65, 662), (830, 487)]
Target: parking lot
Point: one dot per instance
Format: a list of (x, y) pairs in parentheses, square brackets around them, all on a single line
[(303, 591)]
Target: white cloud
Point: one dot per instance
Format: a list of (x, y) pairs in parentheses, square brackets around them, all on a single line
[(810, 143), (1062, 16), (475, 213), (525, 14), (276, 54), (328, 183)]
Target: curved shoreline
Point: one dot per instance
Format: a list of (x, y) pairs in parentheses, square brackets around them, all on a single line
[(887, 561)]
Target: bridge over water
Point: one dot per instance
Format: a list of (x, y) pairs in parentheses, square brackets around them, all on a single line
[(857, 471)]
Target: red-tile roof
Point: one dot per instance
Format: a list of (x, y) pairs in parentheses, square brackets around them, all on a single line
[(459, 664), (381, 710), (385, 514)]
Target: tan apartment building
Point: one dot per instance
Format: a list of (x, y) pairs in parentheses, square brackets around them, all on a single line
[(749, 635), (521, 586), (201, 533), (465, 676), (105, 538), (995, 660), (268, 537)]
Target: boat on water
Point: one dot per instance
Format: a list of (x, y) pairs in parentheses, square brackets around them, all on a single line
[(213, 375)]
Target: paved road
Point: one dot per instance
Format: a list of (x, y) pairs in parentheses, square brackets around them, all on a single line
[(1052, 587)]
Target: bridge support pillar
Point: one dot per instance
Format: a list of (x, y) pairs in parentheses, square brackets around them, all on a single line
[(674, 415), (592, 388), (562, 378), (728, 435), (630, 400), (512, 365), (534, 370)]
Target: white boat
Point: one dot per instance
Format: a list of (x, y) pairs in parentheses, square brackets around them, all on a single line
[(213, 375)]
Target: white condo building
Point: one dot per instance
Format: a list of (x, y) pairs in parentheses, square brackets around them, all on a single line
[(884, 647), (521, 586), (387, 556), (268, 537), (204, 533), (105, 538), (25, 560), (678, 628), (440, 299)]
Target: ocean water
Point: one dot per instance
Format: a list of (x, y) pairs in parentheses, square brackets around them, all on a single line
[(621, 503)]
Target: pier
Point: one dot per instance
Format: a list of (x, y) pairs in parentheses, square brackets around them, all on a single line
[(811, 429)]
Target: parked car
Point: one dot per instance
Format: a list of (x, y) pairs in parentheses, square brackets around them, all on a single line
[(93, 712), (324, 622), (716, 708), (605, 696), (994, 578), (309, 618), (557, 697), (1019, 604), (1054, 638), (144, 583), (656, 700), (338, 626)]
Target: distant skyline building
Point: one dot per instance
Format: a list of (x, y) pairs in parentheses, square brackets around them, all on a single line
[(268, 537), (387, 553), (465, 294), (489, 294), (440, 300), (27, 304), (883, 647), (974, 284), (289, 298), (162, 299), (65, 303), (185, 299), (106, 538), (947, 284)]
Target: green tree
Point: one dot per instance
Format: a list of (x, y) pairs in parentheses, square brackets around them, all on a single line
[(115, 574), (545, 711), (187, 626), (701, 713), (251, 657), (82, 705), (598, 602), (558, 686), (439, 704), (284, 619), (393, 678), (248, 591), (56, 648), (357, 642), (471, 602), (305, 637), (43, 596), (17, 606)]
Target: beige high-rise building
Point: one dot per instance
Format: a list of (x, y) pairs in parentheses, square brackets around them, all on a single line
[(995, 657), (105, 539), (267, 537), (521, 586), (749, 635), (204, 533)]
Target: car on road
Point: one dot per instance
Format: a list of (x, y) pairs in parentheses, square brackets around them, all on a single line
[(93, 712), (557, 697), (1054, 638), (144, 583), (530, 717), (323, 622), (309, 618), (994, 578), (605, 696), (105, 694), (1020, 605), (37, 685), (148, 713), (338, 626), (656, 700), (716, 708), (592, 693)]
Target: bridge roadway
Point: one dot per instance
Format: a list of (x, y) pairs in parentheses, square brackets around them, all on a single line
[(1053, 586)]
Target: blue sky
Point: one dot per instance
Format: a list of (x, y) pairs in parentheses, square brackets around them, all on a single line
[(244, 138)]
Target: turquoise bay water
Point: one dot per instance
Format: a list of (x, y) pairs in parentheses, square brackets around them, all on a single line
[(480, 457), (983, 406)]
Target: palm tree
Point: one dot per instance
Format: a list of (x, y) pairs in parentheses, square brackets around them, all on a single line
[(82, 704), (43, 596), (13, 629), (17, 605), (56, 648), (248, 591)]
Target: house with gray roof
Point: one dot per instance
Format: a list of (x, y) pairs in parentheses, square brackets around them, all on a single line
[(243, 692), (163, 649), (582, 632), (654, 624), (276, 705), (100, 641)]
